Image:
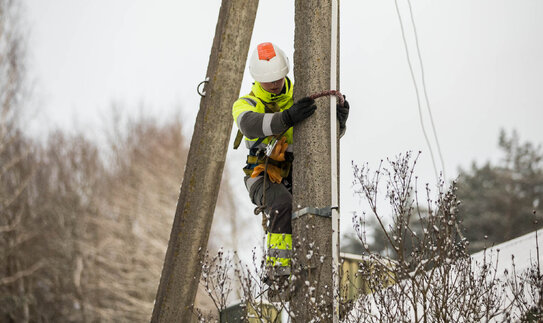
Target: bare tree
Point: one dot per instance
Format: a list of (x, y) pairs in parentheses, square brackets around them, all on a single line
[(424, 275), (83, 232), (146, 168), (66, 189), (428, 276), (16, 169), (15, 174)]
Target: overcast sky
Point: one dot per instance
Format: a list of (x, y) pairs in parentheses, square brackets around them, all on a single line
[(483, 62)]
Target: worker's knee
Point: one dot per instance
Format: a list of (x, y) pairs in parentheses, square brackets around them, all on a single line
[(273, 195), (282, 206), (278, 202), (280, 216), (255, 188)]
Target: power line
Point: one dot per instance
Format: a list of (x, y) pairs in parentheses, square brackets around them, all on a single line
[(424, 88), (416, 89), (425, 95)]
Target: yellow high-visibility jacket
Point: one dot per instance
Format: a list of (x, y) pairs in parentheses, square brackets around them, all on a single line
[(258, 114)]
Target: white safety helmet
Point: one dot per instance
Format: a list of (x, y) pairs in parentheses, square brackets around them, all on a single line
[(268, 63)]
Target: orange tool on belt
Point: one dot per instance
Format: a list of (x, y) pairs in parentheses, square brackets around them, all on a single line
[(277, 154)]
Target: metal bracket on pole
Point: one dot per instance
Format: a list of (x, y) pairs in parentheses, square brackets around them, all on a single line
[(324, 212), (203, 92)]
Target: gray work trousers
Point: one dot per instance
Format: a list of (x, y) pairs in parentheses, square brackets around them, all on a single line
[(277, 199)]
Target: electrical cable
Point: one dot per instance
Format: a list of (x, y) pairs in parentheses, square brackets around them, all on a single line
[(425, 95), (424, 89), (416, 89)]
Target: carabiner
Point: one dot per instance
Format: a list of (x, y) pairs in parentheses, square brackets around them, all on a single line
[(271, 146)]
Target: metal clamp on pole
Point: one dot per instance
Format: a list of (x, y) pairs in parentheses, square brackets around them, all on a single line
[(324, 212)]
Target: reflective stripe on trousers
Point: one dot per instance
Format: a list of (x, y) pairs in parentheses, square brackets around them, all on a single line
[(279, 252), (279, 237)]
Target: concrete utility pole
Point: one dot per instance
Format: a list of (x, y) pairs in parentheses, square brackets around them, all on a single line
[(207, 154), (315, 149)]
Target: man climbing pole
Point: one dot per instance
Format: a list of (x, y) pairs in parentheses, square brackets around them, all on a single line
[(265, 118)]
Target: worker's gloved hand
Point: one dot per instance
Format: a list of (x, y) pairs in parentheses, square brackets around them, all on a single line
[(274, 172), (278, 152), (342, 113), (299, 111)]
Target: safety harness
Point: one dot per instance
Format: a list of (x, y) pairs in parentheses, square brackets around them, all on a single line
[(257, 155), (260, 156)]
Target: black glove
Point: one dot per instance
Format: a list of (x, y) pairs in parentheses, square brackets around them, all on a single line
[(342, 113), (299, 111)]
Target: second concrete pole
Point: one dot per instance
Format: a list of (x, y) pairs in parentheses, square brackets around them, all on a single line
[(205, 163)]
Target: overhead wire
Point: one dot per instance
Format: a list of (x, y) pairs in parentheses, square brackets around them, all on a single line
[(423, 78), (417, 91), (461, 235)]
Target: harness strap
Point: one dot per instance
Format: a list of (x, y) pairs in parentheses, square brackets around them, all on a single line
[(253, 161), (269, 107), (237, 141)]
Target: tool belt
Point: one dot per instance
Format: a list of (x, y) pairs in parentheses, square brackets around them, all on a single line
[(257, 157)]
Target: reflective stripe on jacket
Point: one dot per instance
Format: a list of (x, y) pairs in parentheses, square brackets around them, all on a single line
[(265, 103)]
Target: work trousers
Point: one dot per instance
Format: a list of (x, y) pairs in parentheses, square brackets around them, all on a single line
[(277, 200)]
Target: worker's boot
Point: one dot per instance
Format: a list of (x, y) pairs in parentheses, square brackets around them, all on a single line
[(279, 289)]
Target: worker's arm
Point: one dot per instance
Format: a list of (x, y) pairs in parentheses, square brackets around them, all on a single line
[(255, 124)]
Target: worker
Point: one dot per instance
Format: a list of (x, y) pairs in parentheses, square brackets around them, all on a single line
[(262, 116)]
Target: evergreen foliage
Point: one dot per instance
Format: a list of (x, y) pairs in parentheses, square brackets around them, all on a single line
[(502, 201), (499, 201)]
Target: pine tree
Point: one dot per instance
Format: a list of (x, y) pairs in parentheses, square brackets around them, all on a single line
[(502, 201)]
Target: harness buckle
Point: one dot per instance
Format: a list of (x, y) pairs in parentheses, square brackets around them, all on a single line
[(271, 146)]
